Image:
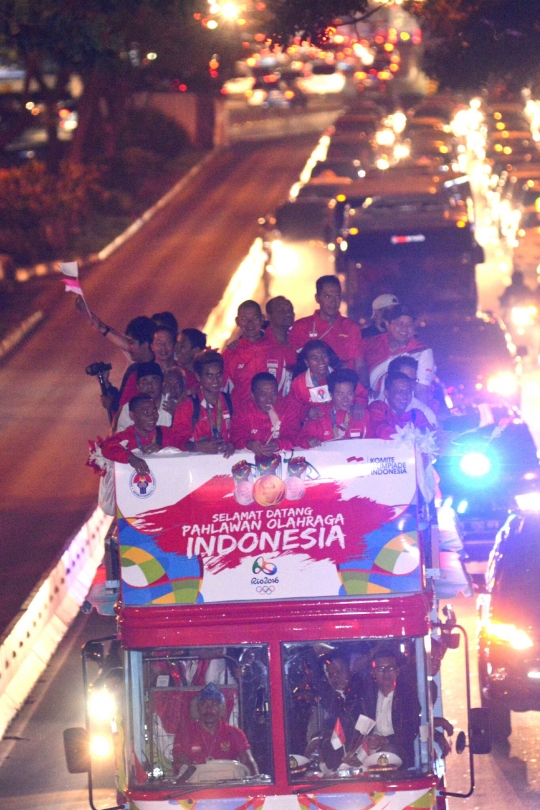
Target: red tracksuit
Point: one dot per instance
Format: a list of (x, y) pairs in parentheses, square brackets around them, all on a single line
[(323, 427), (384, 420), (252, 424), (343, 336), (114, 449), (248, 359), (187, 431)]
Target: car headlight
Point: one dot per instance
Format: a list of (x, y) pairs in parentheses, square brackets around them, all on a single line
[(523, 316), (475, 464), (510, 634), (503, 384)]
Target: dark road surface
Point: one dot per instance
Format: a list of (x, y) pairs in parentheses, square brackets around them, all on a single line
[(182, 260)]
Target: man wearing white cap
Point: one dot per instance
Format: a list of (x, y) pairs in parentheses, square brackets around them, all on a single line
[(379, 306)]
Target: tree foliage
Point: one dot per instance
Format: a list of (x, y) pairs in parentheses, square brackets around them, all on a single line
[(470, 44)]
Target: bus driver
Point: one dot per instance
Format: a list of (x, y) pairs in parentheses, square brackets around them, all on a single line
[(210, 737)]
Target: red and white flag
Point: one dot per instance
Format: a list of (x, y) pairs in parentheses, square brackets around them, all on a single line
[(337, 739), (70, 271)]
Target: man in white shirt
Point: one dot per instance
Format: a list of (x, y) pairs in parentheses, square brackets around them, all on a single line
[(393, 704), (149, 381)]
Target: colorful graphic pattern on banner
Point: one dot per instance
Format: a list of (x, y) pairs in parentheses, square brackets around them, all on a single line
[(338, 521)]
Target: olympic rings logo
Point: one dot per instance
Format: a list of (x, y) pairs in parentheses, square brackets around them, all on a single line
[(262, 566), (265, 590)]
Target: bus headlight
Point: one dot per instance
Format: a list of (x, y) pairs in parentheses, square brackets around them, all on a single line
[(101, 706), (101, 747), (475, 464)]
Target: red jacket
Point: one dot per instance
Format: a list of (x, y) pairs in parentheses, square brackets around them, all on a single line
[(248, 359), (291, 353), (384, 420), (120, 446), (251, 424), (344, 336), (323, 428), (187, 431)]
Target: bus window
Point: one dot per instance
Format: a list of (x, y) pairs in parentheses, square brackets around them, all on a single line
[(356, 708), (199, 715)]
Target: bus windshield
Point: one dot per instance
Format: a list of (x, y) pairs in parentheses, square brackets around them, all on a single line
[(356, 709), (200, 715)]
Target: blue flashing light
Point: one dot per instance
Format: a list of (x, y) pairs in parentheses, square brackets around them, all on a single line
[(475, 465), (462, 507)]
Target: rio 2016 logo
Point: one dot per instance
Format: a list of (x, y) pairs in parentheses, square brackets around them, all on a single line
[(266, 584), (262, 566)]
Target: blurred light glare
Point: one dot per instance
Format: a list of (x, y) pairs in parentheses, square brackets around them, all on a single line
[(100, 746), (528, 501), (503, 384), (101, 706), (475, 464), (212, 25), (230, 11)]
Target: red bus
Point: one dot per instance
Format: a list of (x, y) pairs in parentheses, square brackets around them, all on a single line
[(278, 637)]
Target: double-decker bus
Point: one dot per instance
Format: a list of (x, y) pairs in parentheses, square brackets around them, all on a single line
[(263, 603), (411, 234)]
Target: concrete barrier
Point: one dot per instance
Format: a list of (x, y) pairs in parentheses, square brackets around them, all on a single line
[(31, 640)]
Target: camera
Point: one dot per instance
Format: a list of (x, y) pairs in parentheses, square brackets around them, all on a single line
[(98, 370), (95, 369)]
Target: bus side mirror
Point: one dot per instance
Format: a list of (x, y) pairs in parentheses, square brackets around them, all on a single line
[(479, 731), (94, 651), (461, 742), (77, 750)]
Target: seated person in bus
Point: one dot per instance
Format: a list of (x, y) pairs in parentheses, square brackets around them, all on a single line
[(334, 718), (210, 737), (191, 343), (398, 339), (149, 381), (337, 420), (392, 412), (392, 702), (203, 420), (266, 423), (144, 434), (409, 365), (253, 353), (327, 324)]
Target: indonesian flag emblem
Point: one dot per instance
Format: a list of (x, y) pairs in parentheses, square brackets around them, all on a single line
[(338, 736)]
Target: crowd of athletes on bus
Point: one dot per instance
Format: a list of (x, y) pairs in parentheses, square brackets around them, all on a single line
[(283, 383)]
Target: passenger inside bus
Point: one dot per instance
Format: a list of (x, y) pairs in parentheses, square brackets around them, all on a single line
[(269, 423), (366, 702), (339, 702), (209, 737)]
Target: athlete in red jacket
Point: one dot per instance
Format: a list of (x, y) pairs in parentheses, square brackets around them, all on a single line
[(251, 354), (142, 434), (203, 421), (388, 414), (326, 323), (338, 419), (267, 423)]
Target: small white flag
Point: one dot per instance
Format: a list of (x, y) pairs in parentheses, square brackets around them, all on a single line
[(364, 724), (69, 269)]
